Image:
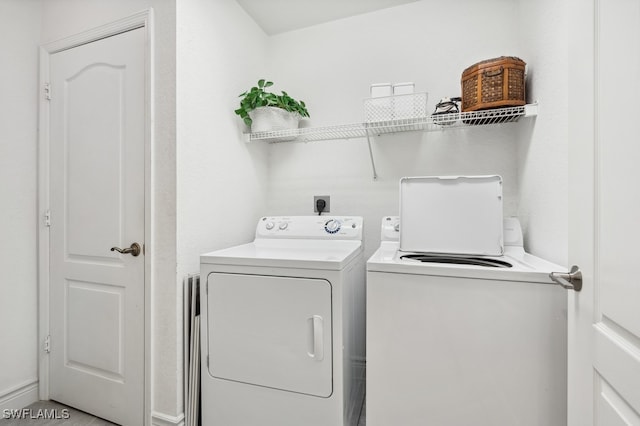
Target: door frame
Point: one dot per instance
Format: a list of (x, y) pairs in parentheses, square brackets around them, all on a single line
[(143, 19), (583, 144)]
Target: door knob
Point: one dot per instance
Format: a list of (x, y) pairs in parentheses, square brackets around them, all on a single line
[(571, 280), (134, 250)]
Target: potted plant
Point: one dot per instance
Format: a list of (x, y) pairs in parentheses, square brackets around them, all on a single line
[(265, 111)]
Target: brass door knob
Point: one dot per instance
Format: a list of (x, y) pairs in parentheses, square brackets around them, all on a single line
[(134, 250)]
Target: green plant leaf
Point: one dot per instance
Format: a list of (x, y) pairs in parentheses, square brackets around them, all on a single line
[(257, 97)]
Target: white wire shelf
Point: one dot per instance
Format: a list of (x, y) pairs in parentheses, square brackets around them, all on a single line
[(443, 122)]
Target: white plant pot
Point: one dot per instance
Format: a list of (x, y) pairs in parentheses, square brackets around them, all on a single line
[(269, 119)]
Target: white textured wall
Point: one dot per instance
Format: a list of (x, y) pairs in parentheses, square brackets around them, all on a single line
[(62, 18), (20, 24), (221, 179), (543, 149), (331, 66)]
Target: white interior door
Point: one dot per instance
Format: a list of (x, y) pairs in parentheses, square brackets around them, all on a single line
[(97, 133), (604, 318)]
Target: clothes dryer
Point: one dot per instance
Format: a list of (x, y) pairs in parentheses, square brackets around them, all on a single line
[(283, 339)]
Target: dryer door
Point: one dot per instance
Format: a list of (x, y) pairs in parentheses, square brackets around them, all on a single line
[(271, 331)]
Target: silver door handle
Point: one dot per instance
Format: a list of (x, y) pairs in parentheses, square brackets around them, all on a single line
[(571, 280), (134, 250)]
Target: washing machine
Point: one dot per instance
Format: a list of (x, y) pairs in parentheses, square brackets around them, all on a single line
[(283, 336), (460, 338)]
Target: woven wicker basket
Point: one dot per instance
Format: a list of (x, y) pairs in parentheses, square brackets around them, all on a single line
[(493, 83)]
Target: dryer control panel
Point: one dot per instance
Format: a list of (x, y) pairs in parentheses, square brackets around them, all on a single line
[(310, 227)]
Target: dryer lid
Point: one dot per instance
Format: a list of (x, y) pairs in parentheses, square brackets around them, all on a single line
[(452, 214), (304, 254)]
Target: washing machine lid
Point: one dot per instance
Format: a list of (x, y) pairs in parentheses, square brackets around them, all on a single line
[(305, 254), (452, 214)]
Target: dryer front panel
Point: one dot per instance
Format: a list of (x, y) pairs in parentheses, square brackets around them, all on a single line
[(271, 331)]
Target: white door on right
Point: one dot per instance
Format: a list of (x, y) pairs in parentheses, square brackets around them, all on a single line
[(604, 216)]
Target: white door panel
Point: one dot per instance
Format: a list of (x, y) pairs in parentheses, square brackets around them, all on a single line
[(604, 320), (611, 409), (618, 157), (618, 363), (95, 345), (94, 144), (97, 133), (271, 331)]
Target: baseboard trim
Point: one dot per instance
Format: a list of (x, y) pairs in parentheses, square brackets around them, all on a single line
[(161, 419), (20, 396)]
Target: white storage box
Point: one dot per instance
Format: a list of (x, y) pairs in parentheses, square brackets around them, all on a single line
[(403, 88), (452, 214), (380, 90)]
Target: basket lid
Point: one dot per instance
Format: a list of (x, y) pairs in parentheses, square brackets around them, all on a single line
[(452, 214), (501, 60)]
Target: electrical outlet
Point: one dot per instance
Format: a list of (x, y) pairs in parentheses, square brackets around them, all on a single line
[(327, 200)]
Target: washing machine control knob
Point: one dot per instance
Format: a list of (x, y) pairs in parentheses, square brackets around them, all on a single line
[(269, 226), (283, 226), (332, 226)]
